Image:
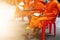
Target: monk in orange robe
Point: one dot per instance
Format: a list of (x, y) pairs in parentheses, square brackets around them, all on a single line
[(19, 9), (28, 8), (39, 8), (50, 13), (25, 11)]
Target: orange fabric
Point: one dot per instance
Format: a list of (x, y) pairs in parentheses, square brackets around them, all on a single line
[(51, 12), (18, 12), (18, 1), (38, 22), (39, 6), (59, 7), (11, 2), (27, 6), (51, 9)]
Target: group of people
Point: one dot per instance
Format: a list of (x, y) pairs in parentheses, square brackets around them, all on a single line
[(47, 12), (39, 12), (22, 8)]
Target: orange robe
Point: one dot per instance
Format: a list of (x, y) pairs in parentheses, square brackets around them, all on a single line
[(18, 12), (58, 7), (11, 2), (28, 7), (39, 7), (50, 12)]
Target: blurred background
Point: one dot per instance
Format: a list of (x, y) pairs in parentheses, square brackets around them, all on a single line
[(11, 25)]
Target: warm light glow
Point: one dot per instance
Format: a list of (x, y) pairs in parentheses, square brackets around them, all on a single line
[(6, 14), (6, 11)]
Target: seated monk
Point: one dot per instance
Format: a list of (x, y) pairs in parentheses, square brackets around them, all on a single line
[(39, 8), (19, 9), (49, 14), (28, 8)]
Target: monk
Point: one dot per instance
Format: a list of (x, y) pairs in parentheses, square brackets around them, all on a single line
[(48, 15), (39, 8), (28, 8), (35, 24), (24, 10), (19, 9)]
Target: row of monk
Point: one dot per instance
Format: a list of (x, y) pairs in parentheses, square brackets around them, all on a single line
[(37, 11)]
